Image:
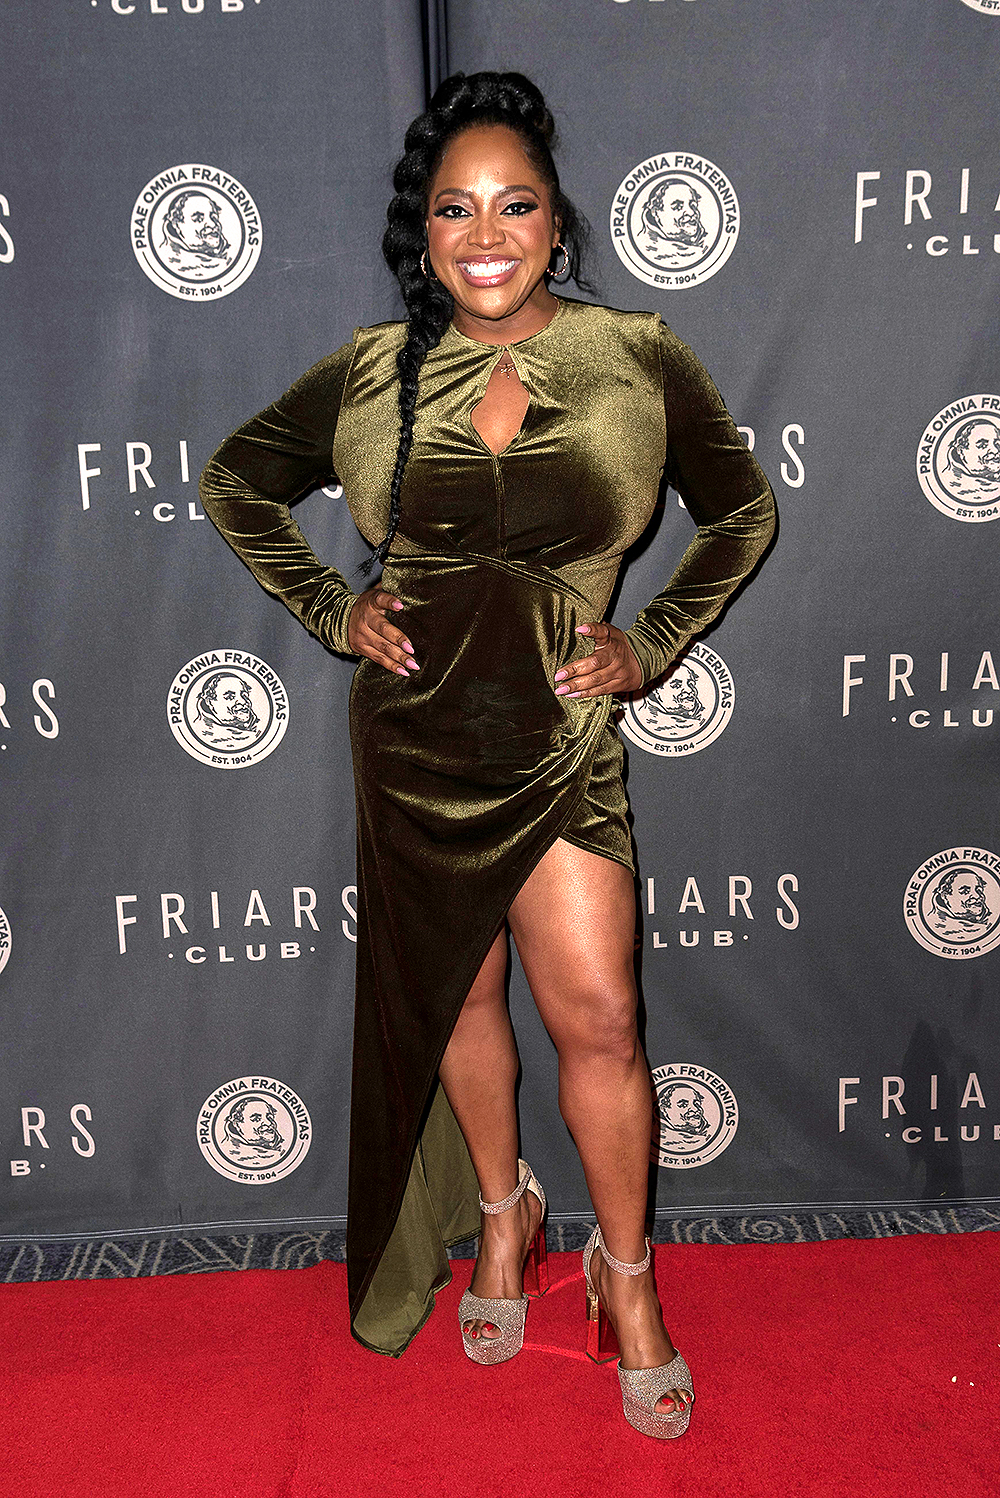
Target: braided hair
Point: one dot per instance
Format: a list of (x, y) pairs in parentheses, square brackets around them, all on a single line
[(462, 100)]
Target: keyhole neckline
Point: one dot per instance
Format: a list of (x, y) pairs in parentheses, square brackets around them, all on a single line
[(500, 350)]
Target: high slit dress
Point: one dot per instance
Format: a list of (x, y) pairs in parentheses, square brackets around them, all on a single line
[(468, 770)]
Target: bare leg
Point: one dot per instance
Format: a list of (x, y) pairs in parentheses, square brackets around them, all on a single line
[(573, 923), (478, 1074)]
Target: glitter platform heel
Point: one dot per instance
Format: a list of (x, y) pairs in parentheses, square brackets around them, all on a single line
[(641, 1387), (507, 1315)]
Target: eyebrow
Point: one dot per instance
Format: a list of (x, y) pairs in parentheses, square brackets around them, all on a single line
[(461, 192)]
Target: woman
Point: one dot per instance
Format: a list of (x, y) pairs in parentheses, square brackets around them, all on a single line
[(500, 450)]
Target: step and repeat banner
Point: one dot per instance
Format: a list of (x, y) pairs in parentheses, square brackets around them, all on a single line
[(192, 194)]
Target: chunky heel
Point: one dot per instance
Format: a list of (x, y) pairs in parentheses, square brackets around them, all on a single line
[(602, 1344), (536, 1266)]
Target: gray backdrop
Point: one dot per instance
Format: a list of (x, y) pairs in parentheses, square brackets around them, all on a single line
[(168, 928)]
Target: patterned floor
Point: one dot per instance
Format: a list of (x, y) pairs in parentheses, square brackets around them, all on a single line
[(178, 1253)]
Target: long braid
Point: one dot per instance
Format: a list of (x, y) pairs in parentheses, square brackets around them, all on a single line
[(481, 98), (429, 306)]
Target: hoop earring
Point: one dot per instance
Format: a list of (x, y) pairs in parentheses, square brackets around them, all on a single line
[(560, 274), (423, 266)]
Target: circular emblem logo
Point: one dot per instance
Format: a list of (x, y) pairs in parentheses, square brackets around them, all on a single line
[(196, 232), (687, 710), (254, 1130), (675, 219), (228, 709), (952, 903), (696, 1116), (958, 460), (5, 940), (985, 7)]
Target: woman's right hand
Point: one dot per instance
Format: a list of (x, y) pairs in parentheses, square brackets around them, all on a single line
[(371, 633)]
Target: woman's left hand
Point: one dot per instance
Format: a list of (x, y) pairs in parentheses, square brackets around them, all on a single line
[(611, 669)]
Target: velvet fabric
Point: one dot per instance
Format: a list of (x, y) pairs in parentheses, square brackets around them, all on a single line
[(467, 771)]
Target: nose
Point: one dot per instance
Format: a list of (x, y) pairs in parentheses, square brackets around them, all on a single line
[(486, 231)]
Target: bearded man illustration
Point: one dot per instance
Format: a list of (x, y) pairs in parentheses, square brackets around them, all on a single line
[(675, 704), (973, 467), (959, 905), (682, 1115), (672, 222), (251, 1132), (193, 243), (225, 718)]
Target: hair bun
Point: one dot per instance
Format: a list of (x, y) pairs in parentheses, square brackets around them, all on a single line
[(494, 95)]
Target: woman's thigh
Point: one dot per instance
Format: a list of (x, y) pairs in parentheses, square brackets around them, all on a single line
[(573, 923)]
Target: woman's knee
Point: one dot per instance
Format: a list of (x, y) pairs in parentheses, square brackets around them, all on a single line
[(597, 1021)]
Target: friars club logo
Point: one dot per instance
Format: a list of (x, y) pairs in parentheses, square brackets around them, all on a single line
[(254, 1130), (196, 232), (985, 7), (227, 708), (952, 903), (4, 940), (685, 712), (696, 1116), (675, 219), (958, 460)]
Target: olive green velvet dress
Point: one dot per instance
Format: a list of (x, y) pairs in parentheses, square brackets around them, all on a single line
[(468, 770)]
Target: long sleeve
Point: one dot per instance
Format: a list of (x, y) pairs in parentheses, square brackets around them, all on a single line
[(727, 496), (248, 484)]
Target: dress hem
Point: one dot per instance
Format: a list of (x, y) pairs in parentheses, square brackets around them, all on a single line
[(473, 968)]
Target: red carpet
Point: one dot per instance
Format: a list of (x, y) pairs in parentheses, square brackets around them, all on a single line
[(847, 1368)]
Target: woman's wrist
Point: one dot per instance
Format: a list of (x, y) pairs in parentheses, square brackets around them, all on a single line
[(335, 620)]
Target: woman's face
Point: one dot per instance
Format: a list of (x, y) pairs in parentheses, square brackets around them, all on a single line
[(490, 231)]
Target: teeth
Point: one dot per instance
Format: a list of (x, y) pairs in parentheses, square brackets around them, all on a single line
[(484, 269)]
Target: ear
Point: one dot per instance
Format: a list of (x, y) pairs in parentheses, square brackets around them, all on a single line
[(556, 232)]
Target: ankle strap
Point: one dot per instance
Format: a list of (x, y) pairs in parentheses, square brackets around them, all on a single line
[(639, 1268), (493, 1208)]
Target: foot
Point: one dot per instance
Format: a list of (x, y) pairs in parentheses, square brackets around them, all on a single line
[(503, 1248), (632, 1305)]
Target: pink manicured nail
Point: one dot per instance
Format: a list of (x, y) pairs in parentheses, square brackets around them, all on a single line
[(413, 665), (396, 604), (561, 691), (402, 671), (407, 646), (583, 629), (559, 676)]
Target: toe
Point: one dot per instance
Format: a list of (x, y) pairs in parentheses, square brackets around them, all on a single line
[(476, 1329), (674, 1402)]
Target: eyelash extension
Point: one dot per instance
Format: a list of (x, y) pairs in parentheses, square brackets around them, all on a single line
[(525, 209)]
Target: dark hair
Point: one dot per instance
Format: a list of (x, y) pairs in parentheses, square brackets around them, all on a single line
[(477, 99)]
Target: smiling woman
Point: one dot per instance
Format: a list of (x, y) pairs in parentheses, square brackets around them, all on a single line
[(490, 242), (500, 450), (491, 236)]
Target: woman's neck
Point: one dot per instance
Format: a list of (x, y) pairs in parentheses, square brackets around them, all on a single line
[(531, 317)]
